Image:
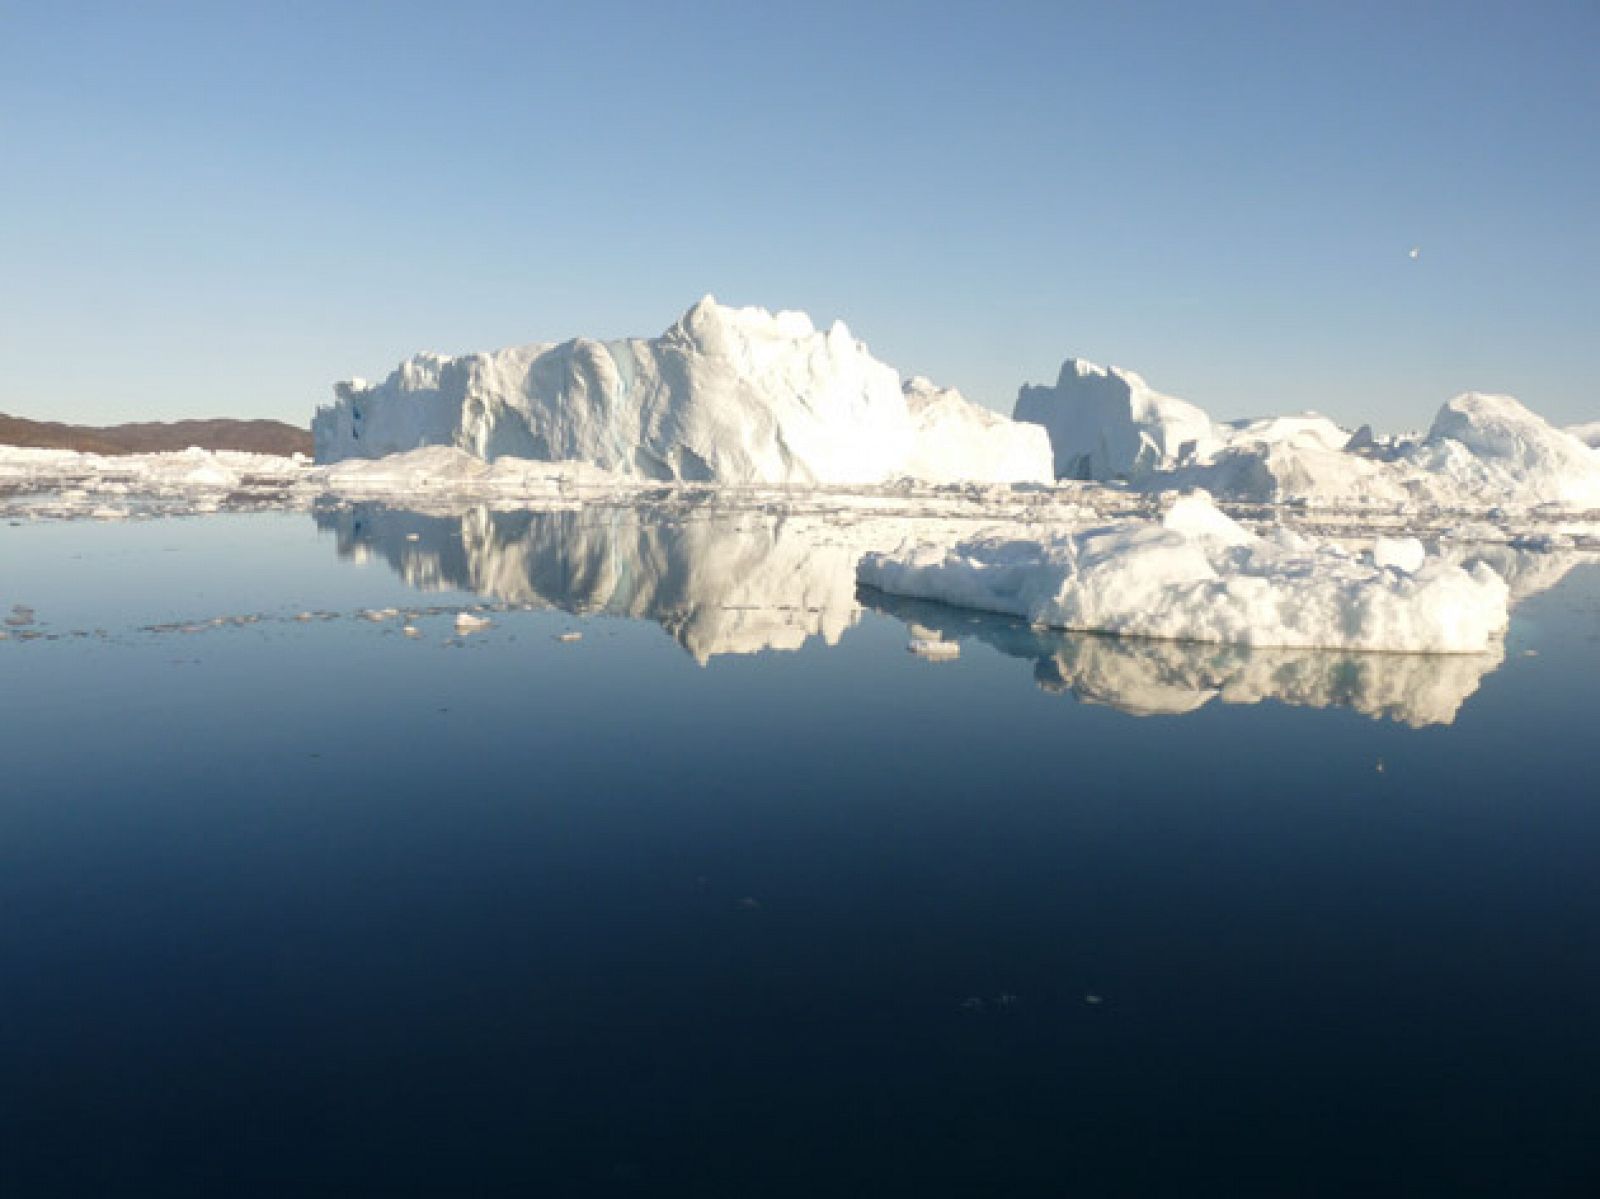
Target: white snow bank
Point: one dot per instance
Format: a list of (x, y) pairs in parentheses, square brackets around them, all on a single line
[(1196, 575), (727, 395), (1107, 423)]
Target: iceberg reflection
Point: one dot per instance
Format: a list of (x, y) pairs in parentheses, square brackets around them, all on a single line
[(1147, 678), (723, 580), (719, 583)]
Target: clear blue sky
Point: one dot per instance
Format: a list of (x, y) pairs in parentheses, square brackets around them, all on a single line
[(218, 209)]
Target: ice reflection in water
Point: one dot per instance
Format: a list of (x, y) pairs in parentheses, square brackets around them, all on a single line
[(723, 584), (1148, 678), (747, 581)]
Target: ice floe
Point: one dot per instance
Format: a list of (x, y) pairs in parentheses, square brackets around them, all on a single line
[(1197, 575)]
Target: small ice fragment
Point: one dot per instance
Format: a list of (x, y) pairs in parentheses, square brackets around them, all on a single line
[(1405, 554), (934, 649), (1379, 766), (378, 615), (972, 1004), (411, 630), (1530, 653), (1416, 252), (413, 536), (466, 622), (1093, 1000), (569, 635)]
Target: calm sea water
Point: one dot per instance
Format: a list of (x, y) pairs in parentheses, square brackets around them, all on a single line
[(311, 906)]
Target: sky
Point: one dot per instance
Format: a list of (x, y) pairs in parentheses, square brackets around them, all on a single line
[(219, 209)]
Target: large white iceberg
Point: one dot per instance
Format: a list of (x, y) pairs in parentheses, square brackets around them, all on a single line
[(726, 395), (1107, 423), (1483, 451), (1196, 575)]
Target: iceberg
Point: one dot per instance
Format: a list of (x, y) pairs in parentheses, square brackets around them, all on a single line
[(1588, 433), (726, 395), (955, 440), (1490, 445), (1107, 423), (1197, 575)]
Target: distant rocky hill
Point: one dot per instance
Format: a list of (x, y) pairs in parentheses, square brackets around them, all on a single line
[(253, 436)]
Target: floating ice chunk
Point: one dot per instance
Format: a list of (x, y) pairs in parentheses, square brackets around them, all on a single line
[(1198, 576), (1403, 553), (467, 622), (569, 636), (1195, 515), (935, 650)]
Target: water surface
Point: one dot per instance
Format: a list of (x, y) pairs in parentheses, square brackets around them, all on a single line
[(702, 903)]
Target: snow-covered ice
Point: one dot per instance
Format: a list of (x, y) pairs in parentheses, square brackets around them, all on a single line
[(1107, 423), (1196, 575), (1482, 451), (955, 440), (727, 395)]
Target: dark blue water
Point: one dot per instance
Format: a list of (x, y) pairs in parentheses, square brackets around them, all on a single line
[(316, 908)]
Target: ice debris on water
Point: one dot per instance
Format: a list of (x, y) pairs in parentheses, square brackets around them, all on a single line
[(1197, 575)]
